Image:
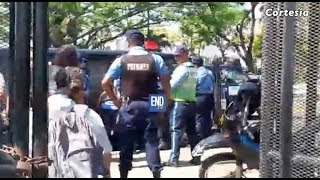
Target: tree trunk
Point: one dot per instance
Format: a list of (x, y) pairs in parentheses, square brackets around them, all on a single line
[(249, 62), (223, 55)]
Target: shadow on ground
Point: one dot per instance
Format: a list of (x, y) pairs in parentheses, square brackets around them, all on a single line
[(181, 164), (135, 159)]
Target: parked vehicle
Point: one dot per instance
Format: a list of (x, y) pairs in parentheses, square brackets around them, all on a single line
[(237, 133), (228, 79)]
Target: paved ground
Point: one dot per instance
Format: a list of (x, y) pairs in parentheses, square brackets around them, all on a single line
[(187, 170)]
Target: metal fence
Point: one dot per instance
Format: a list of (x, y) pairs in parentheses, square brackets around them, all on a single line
[(23, 24), (290, 130)]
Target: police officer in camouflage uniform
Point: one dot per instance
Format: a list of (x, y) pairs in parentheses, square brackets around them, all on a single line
[(138, 71)]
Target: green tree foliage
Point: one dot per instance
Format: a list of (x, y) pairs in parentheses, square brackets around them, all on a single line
[(158, 35), (4, 25), (257, 46), (222, 24), (92, 24)]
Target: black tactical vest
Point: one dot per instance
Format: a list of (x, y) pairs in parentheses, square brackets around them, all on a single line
[(139, 77)]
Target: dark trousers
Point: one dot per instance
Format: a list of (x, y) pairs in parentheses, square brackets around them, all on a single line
[(182, 119), (164, 129), (204, 106), (109, 118), (136, 120)]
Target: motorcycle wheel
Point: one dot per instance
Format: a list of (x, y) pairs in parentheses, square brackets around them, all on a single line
[(215, 160)]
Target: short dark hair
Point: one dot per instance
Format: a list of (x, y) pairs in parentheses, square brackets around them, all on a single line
[(66, 56), (135, 37), (136, 42), (62, 79), (196, 60)]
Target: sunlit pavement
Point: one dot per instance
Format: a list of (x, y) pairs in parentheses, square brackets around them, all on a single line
[(140, 169)]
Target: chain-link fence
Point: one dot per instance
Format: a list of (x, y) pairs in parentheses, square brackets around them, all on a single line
[(291, 146), (4, 37)]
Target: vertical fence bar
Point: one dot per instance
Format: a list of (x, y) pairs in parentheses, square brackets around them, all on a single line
[(40, 83), (21, 90), (287, 94), (11, 77)]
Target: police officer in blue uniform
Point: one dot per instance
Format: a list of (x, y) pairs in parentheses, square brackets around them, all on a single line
[(139, 72), (204, 97), (109, 114), (183, 91)]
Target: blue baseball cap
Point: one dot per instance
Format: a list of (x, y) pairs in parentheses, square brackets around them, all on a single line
[(180, 49)]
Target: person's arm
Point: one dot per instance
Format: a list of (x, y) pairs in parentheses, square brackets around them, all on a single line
[(164, 77), (7, 107), (165, 83), (201, 76), (178, 76), (107, 82), (117, 87), (2, 89), (98, 129), (101, 97)]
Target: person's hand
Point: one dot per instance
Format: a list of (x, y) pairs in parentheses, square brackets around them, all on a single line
[(2, 96), (162, 115), (24, 168), (5, 119), (98, 104), (168, 103), (117, 103)]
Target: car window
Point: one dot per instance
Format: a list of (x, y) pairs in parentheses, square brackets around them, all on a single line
[(232, 74)]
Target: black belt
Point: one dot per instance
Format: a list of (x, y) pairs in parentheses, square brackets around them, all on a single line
[(134, 99), (202, 94), (185, 101)]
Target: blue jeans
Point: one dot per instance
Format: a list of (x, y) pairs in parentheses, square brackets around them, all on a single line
[(182, 119)]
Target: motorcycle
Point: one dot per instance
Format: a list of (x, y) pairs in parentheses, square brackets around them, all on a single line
[(228, 82), (237, 133)]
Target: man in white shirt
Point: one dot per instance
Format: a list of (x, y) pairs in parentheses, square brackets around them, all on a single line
[(61, 102)]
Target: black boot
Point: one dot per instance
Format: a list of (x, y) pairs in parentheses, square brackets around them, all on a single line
[(195, 160), (123, 174), (156, 174), (164, 146)]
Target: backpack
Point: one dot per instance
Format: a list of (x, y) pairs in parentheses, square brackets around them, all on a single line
[(72, 146)]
